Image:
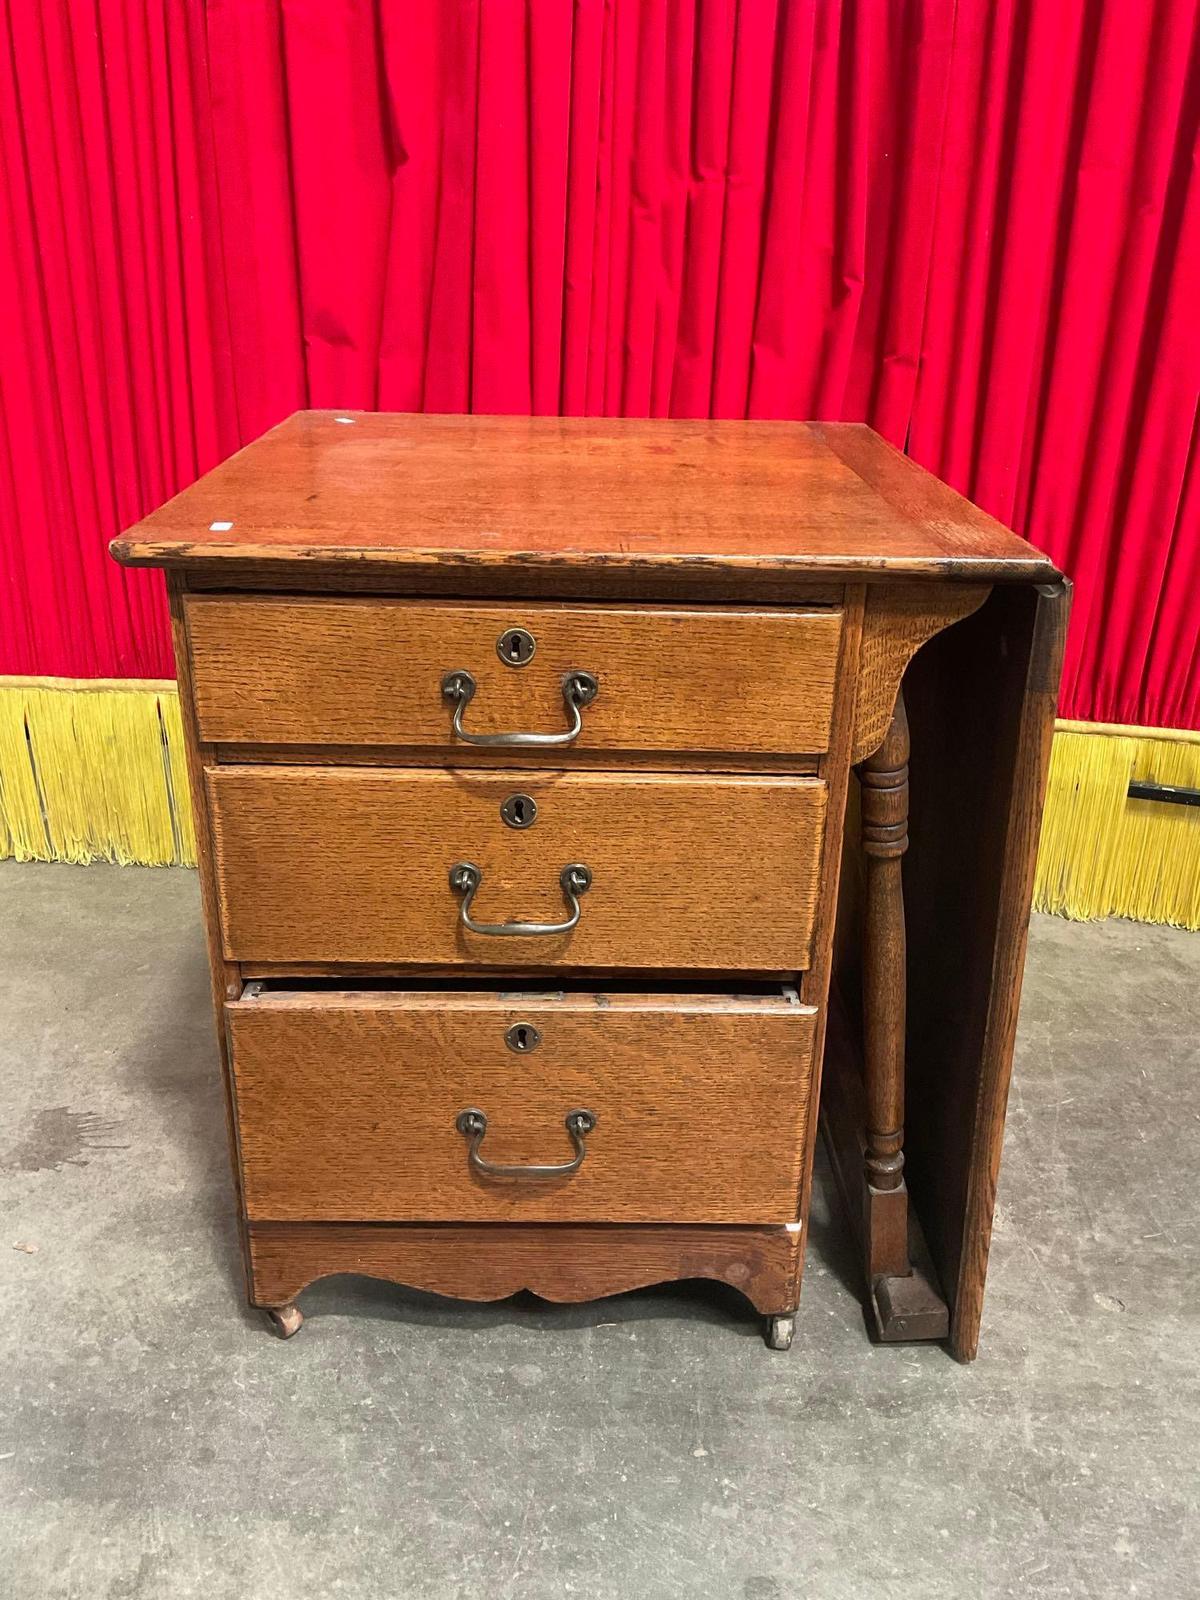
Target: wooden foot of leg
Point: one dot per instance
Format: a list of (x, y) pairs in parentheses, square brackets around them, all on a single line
[(780, 1330), (287, 1319), (905, 1305), (910, 1307)]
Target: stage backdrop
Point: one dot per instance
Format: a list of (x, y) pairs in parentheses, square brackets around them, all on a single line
[(974, 224)]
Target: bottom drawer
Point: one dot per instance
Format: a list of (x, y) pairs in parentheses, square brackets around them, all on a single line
[(351, 1105)]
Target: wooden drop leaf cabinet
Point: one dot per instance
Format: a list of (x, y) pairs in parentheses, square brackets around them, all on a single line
[(581, 805)]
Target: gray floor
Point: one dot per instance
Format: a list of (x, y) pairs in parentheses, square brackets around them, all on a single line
[(156, 1443)]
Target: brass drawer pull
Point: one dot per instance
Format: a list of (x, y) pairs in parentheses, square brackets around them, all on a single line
[(472, 1125), (465, 878), (579, 689)]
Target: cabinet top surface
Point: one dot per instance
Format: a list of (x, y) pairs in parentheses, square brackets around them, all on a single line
[(338, 488)]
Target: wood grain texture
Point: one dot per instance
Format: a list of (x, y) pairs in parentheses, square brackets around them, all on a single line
[(482, 492), (898, 620), (369, 672), (328, 866), (556, 1261), (347, 1106), (981, 702)]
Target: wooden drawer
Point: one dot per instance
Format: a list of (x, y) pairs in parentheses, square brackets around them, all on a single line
[(348, 1103), (324, 866), (295, 671)]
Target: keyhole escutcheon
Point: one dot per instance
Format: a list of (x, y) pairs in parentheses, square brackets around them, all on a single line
[(522, 1037), (515, 647), (519, 811)]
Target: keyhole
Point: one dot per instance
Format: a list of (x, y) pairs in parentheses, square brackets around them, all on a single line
[(515, 647), (519, 811), (522, 1037)]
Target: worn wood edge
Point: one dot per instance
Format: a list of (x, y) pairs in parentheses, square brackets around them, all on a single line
[(566, 1263), (1034, 739), (518, 772), (184, 552), (918, 495), (608, 1000)]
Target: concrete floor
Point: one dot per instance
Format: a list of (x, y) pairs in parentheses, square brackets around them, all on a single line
[(157, 1443)]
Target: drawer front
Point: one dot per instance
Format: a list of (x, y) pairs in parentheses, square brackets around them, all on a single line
[(348, 1106), (327, 866), (295, 671)]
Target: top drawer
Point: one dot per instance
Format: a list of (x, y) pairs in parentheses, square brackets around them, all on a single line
[(295, 671)]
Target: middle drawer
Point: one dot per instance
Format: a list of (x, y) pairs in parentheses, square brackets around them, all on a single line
[(325, 866)]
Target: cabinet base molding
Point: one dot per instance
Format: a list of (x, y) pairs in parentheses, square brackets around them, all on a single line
[(562, 1262)]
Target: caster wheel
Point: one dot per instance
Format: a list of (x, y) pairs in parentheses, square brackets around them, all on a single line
[(287, 1319), (780, 1331)]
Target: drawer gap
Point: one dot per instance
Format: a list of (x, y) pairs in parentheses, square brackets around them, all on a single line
[(829, 598), (523, 989)]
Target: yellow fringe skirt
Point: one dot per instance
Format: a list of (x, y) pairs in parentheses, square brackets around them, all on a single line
[(93, 770), (96, 771), (1103, 854)]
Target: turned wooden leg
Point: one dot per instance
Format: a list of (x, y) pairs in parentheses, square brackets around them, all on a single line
[(906, 1303), (287, 1319), (884, 778)]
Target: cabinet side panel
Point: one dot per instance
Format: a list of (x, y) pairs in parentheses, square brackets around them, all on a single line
[(981, 700), (226, 976), (815, 984)]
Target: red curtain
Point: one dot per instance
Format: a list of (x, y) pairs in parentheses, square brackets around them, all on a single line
[(974, 224)]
